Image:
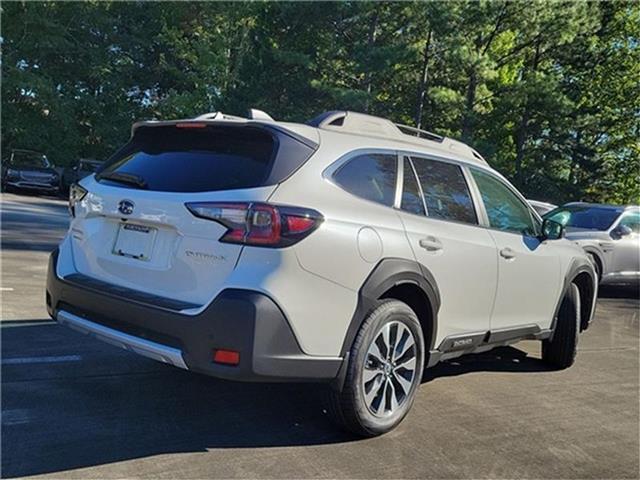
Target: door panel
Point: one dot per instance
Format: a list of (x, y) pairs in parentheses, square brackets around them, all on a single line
[(463, 261), (528, 281), (448, 242), (529, 278)]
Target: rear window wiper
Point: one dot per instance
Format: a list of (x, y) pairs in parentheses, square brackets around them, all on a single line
[(126, 178)]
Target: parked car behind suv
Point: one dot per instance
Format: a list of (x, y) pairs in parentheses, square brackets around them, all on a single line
[(29, 170), (80, 169), (349, 250), (610, 234)]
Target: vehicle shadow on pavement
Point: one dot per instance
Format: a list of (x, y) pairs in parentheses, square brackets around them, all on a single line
[(101, 405), (619, 291), (501, 359)]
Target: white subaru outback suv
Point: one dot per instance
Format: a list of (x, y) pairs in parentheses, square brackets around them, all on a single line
[(350, 250)]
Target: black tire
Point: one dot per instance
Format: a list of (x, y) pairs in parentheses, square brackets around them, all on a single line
[(350, 407), (560, 350)]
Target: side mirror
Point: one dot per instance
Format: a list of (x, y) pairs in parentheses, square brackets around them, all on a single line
[(620, 231), (552, 230)]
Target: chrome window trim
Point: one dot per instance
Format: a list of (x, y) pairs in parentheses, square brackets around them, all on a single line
[(397, 204), (474, 192), (415, 177), (483, 218)]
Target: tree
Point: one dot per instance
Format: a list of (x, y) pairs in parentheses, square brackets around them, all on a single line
[(548, 92)]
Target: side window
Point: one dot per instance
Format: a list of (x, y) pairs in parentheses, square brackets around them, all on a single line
[(370, 176), (631, 220), (445, 191), (504, 209), (411, 197)]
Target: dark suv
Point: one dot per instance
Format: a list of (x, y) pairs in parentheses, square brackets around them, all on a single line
[(29, 170)]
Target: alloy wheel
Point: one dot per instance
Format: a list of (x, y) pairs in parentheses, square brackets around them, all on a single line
[(389, 369)]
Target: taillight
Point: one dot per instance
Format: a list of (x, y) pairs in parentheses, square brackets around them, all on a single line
[(76, 193), (259, 224), (191, 125)]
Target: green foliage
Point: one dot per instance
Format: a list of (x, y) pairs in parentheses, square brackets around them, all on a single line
[(547, 91)]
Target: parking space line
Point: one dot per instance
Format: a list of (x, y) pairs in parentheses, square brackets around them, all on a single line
[(25, 323), (29, 360)]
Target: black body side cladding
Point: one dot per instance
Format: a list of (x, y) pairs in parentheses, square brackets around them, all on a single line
[(388, 273), (242, 320), (578, 267), (458, 345)]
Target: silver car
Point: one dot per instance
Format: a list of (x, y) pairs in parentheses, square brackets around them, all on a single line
[(609, 234), (541, 207)]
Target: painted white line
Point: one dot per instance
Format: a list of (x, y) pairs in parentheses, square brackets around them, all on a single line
[(24, 323), (6, 289), (28, 360)]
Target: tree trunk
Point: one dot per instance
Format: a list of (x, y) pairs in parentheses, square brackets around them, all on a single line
[(371, 40), (522, 133), (424, 82), (467, 121)]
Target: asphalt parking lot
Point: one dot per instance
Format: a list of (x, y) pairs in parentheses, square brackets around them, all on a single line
[(73, 407)]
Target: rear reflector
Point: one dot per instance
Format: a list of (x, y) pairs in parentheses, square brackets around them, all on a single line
[(260, 224), (226, 357)]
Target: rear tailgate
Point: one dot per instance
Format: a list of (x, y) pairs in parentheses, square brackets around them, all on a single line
[(160, 248), (132, 229)]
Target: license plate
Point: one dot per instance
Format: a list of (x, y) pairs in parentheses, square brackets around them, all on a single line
[(134, 241)]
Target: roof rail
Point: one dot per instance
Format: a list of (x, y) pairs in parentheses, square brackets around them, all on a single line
[(363, 124), (417, 132)]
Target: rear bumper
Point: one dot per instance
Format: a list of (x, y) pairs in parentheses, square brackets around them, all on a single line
[(242, 320)]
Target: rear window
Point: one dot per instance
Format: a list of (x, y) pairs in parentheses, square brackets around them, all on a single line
[(370, 176), (174, 159)]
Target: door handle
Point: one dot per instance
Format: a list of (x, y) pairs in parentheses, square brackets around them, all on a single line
[(430, 244), (507, 253)]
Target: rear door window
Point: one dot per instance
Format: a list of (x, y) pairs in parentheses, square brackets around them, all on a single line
[(445, 190), (199, 159), (371, 176)]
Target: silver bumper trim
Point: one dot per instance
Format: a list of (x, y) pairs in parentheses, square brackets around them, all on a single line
[(155, 351)]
